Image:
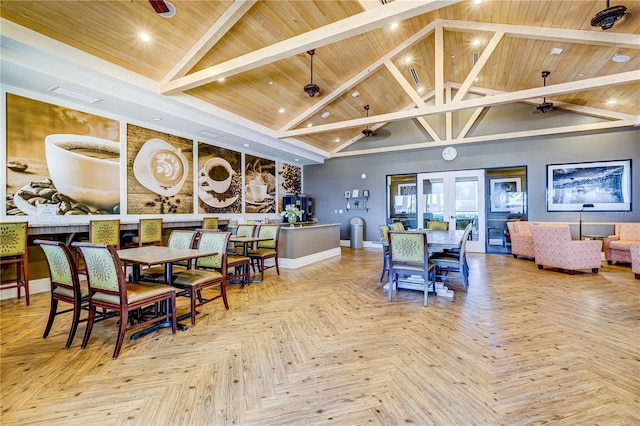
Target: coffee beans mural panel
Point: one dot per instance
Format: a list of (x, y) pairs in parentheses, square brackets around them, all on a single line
[(60, 156), (260, 185), (219, 184), (159, 172), (289, 181)]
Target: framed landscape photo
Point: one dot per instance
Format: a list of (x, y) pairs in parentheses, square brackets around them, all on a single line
[(503, 192), (605, 184)]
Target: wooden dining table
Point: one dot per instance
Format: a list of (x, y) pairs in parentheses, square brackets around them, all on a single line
[(155, 255)]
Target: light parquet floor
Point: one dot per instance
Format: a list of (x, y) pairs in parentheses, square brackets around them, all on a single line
[(322, 345)]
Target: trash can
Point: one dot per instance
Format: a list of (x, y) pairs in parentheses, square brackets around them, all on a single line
[(357, 232)]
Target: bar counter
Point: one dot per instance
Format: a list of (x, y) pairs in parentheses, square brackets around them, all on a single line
[(309, 243)]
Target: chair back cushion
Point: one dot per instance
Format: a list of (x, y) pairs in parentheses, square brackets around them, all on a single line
[(182, 239), (150, 231), (105, 232), (245, 230), (104, 271), (437, 225), (269, 231), (13, 238), (210, 223), (465, 238), (397, 226), (630, 231), (60, 261), (521, 227), (213, 241), (384, 229), (408, 247)]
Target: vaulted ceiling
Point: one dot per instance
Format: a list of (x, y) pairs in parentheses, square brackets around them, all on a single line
[(250, 58)]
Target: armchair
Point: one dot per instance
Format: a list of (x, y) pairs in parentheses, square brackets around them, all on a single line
[(616, 247), (553, 247), (521, 239), (635, 260)]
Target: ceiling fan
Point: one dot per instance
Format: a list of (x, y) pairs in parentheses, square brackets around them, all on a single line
[(311, 89), (607, 17), (545, 106), (164, 8), (367, 132)]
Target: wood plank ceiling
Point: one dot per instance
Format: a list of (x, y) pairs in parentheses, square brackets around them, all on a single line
[(250, 58)]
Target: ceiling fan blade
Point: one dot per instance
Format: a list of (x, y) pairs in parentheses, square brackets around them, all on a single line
[(159, 6)]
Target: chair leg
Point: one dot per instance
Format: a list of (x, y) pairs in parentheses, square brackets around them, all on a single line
[(52, 314), (174, 317), (124, 314), (90, 319), (75, 320), (277, 267), (223, 291), (192, 295)]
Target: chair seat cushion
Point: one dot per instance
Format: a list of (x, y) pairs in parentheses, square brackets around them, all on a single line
[(622, 244), (237, 260), (136, 292), (156, 273), (262, 252), (195, 277), (67, 292)]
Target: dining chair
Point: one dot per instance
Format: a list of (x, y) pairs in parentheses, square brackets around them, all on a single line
[(209, 272), (149, 233), (179, 238), (454, 262), (109, 290), (384, 229), (437, 225), (244, 230), (267, 249), (210, 223), (396, 226), (101, 232), (14, 252), (409, 255)]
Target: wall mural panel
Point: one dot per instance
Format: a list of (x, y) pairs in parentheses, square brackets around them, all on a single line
[(260, 185), (289, 181), (219, 180), (58, 155), (159, 172)]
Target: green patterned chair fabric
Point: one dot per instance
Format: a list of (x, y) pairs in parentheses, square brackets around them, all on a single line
[(108, 290), (437, 225), (65, 285), (267, 249), (409, 255), (149, 232), (454, 262), (209, 272), (384, 230), (397, 226), (13, 251), (244, 230), (179, 238), (210, 223), (105, 232)]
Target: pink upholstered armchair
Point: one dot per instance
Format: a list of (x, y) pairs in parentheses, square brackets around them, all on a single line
[(521, 240), (616, 247), (635, 259), (553, 247)]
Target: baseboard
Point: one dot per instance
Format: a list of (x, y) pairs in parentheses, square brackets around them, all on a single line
[(299, 262), (35, 286)]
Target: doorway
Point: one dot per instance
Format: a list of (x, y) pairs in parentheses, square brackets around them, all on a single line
[(455, 198)]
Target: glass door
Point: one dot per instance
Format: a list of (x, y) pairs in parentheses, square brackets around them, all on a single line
[(456, 198)]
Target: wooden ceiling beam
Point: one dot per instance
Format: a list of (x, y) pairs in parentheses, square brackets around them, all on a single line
[(349, 27), (505, 98), (213, 35), (486, 54)]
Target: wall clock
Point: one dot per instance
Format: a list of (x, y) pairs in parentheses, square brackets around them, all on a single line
[(449, 153)]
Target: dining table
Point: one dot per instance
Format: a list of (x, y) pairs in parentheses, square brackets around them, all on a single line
[(155, 255), (246, 242)]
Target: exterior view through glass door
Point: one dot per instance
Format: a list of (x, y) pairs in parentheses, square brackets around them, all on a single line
[(452, 200)]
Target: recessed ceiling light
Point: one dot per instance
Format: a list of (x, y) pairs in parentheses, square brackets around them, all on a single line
[(355, 94), (477, 1), (476, 42), (145, 37), (309, 124), (394, 25), (337, 139), (296, 159), (611, 102), (281, 110), (580, 74), (271, 83), (420, 89), (73, 94), (245, 145), (221, 79), (325, 114), (407, 59), (556, 51), (452, 56), (620, 58)]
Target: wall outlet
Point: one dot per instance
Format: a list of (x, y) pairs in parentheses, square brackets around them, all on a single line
[(340, 211), (336, 211)]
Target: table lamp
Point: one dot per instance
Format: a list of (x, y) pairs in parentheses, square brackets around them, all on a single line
[(587, 205)]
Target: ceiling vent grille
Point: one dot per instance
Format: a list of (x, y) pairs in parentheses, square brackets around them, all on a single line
[(414, 75), (476, 55)]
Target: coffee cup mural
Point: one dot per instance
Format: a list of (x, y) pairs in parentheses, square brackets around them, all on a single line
[(85, 168), (160, 167), (217, 175), (257, 189)]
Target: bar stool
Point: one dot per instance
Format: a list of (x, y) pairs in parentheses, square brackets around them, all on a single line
[(13, 251)]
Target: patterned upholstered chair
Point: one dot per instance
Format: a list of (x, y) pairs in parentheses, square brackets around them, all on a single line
[(13, 251), (454, 262), (521, 239), (244, 230), (209, 272), (634, 249), (409, 255), (396, 226), (101, 232), (210, 223), (266, 249), (108, 290), (149, 233), (437, 225), (179, 238), (384, 230), (553, 247), (616, 247)]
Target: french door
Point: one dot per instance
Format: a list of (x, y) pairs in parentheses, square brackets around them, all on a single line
[(456, 198)]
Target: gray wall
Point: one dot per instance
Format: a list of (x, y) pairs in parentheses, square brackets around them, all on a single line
[(327, 182)]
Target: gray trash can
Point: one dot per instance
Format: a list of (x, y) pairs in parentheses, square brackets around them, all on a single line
[(357, 232)]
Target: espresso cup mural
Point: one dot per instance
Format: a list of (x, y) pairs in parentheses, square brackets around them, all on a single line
[(158, 172), (60, 156), (219, 180), (260, 188)]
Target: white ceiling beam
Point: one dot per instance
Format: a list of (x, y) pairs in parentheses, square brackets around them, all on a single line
[(213, 35), (470, 122), (602, 38), (505, 98), (494, 137), (486, 54), (439, 65), (361, 76), (349, 27)]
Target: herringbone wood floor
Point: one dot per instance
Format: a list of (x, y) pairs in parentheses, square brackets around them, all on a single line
[(322, 345)]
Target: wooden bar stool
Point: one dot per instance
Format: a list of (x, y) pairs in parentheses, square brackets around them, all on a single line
[(13, 251)]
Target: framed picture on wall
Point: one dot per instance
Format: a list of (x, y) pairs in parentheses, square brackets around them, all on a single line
[(347, 194), (502, 193), (605, 184)]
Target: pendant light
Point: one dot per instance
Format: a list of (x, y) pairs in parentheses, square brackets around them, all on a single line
[(311, 89), (367, 132)]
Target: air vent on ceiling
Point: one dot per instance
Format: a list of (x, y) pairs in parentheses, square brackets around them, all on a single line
[(476, 55), (69, 93), (414, 75), (209, 134)]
